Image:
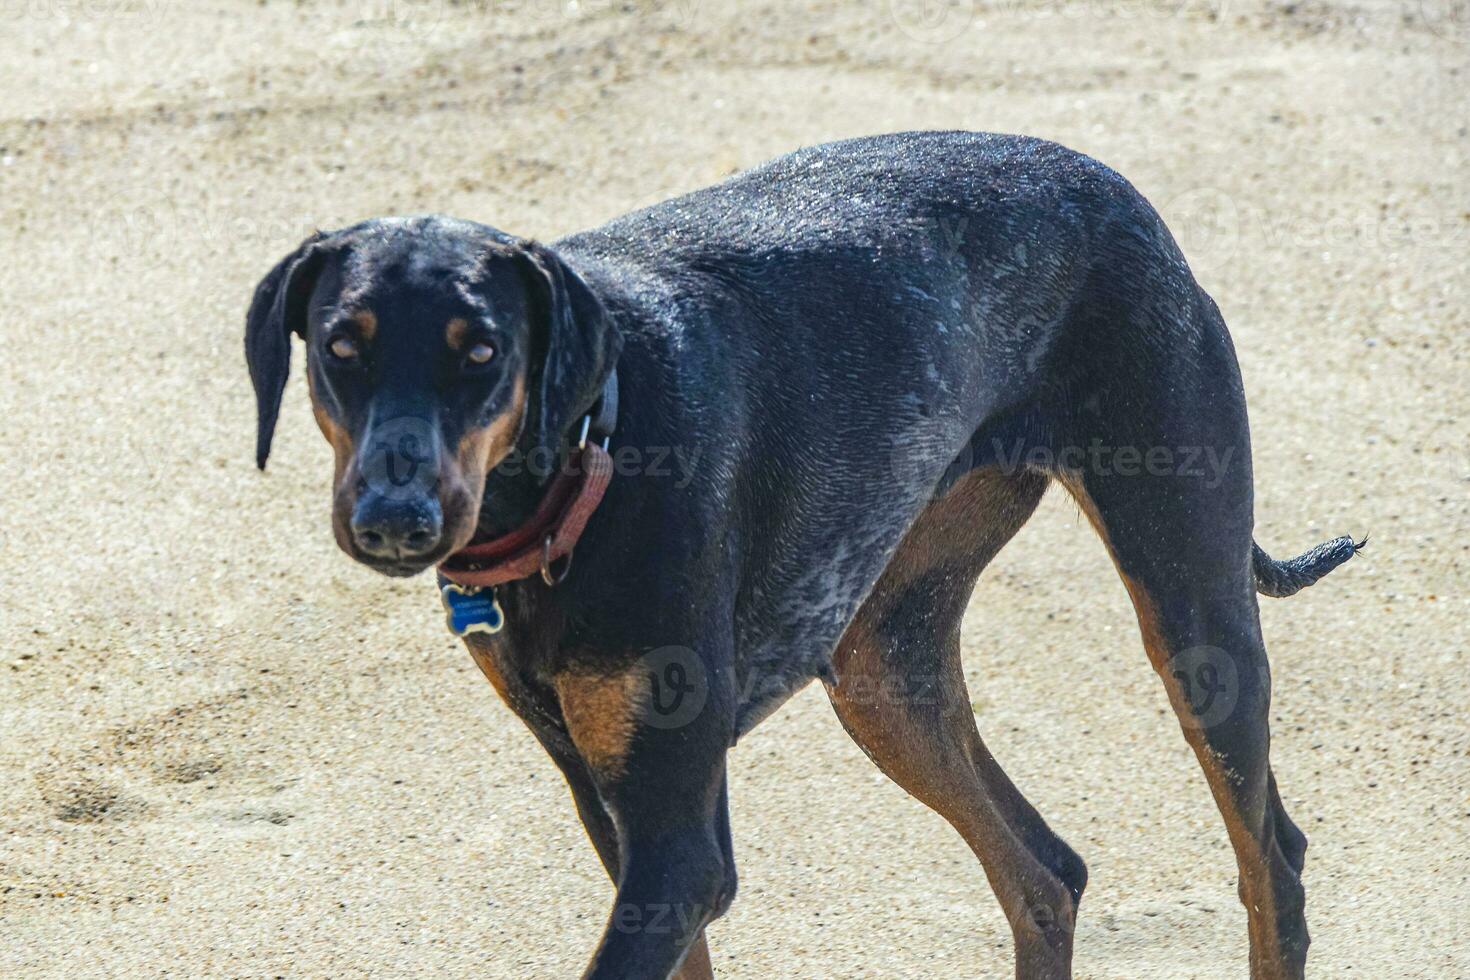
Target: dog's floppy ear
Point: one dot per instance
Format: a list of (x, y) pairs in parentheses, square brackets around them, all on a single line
[(578, 340), (277, 311)]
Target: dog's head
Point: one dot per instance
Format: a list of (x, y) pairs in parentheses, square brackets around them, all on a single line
[(433, 348)]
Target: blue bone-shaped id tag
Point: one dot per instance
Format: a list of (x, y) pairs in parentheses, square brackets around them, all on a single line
[(470, 610)]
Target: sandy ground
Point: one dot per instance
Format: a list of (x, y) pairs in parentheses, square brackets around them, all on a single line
[(228, 751)]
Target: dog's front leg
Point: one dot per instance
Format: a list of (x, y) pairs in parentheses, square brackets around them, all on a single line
[(600, 830), (652, 734)]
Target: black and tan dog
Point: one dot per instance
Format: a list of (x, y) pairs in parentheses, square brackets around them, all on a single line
[(862, 364)]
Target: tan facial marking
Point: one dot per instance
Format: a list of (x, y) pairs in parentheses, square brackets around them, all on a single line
[(602, 712), (480, 447), (337, 436), (455, 330), (367, 324)]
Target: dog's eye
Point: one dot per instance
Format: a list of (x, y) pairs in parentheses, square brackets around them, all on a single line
[(480, 353), (343, 347)]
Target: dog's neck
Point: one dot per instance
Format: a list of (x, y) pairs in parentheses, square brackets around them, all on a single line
[(513, 490)]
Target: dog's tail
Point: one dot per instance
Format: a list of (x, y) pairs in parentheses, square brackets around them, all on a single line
[(1279, 579)]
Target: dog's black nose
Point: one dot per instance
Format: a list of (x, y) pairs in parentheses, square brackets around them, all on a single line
[(396, 529)]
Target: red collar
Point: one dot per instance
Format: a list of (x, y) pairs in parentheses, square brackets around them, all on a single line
[(548, 535)]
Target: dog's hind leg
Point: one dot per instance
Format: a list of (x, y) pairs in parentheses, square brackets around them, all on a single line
[(1180, 537), (1197, 610), (1202, 633), (899, 690)]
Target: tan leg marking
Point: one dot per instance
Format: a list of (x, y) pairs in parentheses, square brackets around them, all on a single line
[(602, 711), (491, 670), (1143, 604), (338, 437), (931, 746), (696, 965)]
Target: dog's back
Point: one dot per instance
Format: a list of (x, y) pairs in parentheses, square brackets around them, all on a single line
[(879, 192), (869, 310)]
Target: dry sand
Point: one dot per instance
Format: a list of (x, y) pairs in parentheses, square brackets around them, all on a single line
[(228, 751)]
